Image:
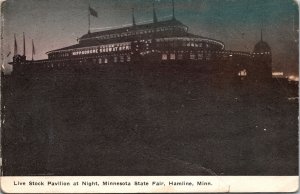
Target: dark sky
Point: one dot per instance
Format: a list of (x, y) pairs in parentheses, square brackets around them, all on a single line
[(57, 23)]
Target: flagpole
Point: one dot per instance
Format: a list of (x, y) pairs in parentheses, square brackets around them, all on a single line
[(15, 46), (89, 15), (32, 50), (24, 47)]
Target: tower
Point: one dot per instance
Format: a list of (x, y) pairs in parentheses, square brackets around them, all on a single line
[(261, 69)]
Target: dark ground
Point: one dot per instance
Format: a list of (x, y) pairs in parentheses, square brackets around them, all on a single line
[(147, 123)]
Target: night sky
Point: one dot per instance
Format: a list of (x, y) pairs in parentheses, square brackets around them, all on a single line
[(57, 23)]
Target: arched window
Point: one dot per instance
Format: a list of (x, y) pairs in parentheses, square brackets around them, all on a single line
[(115, 59), (172, 56), (242, 73), (121, 59), (128, 58), (192, 56), (164, 57)]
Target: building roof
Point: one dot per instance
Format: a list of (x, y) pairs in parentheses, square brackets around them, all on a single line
[(262, 46), (172, 22), (95, 42)]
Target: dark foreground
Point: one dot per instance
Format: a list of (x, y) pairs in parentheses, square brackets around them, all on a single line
[(147, 123)]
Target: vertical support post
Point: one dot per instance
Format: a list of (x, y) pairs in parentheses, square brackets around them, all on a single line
[(133, 19), (24, 47), (154, 14), (173, 13), (15, 46), (89, 15)]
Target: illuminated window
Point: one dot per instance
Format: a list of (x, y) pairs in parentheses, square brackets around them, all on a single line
[(105, 60), (192, 56), (164, 57), (242, 73), (100, 61), (128, 58), (115, 59), (121, 59), (172, 56)]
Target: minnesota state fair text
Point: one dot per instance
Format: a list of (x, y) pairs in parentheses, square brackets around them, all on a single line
[(113, 183)]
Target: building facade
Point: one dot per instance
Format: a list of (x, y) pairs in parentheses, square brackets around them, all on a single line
[(160, 42)]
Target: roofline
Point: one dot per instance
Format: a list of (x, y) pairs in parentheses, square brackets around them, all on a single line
[(130, 27), (67, 49), (184, 37)]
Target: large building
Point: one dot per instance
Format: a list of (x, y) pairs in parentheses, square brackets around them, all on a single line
[(159, 42)]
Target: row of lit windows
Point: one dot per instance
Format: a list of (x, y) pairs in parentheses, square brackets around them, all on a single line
[(179, 56), (84, 52), (139, 32), (64, 54), (94, 50), (102, 60), (184, 44), (191, 42), (266, 53), (115, 59), (231, 53), (125, 47), (102, 50), (199, 51)]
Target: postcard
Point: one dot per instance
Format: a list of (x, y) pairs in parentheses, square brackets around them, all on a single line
[(155, 96)]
